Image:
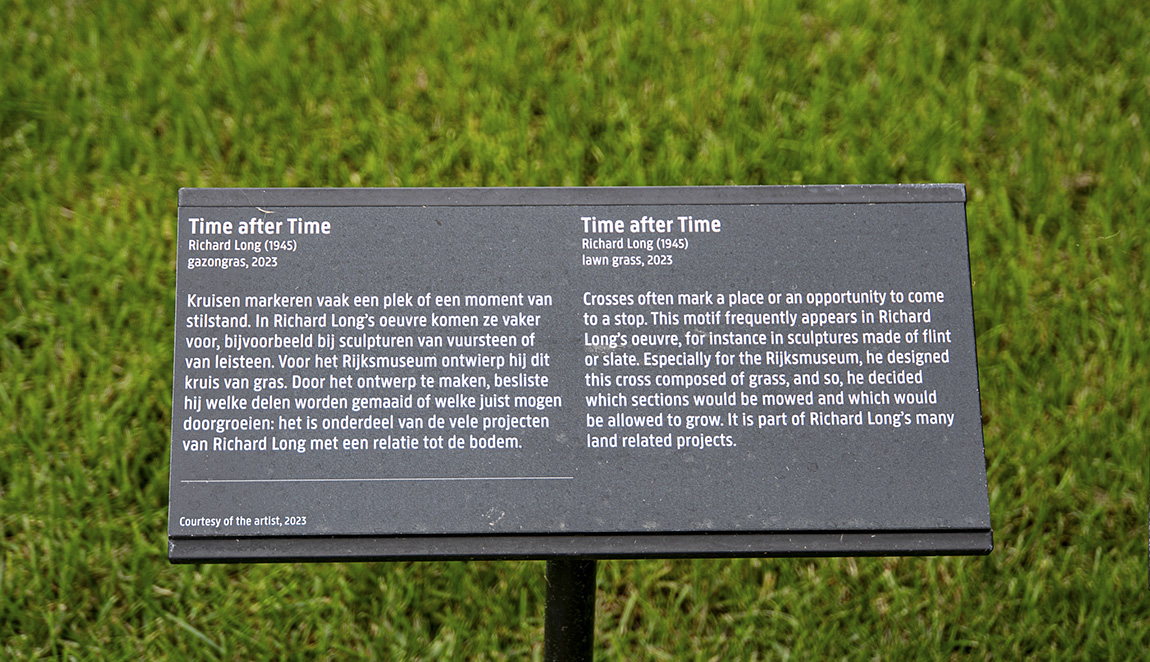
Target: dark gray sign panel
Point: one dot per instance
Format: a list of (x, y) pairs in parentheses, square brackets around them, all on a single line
[(605, 372)]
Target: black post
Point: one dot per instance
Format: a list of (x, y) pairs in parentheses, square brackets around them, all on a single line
[(569, 619)]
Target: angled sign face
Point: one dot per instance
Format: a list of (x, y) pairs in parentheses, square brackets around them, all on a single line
[(607, 372)]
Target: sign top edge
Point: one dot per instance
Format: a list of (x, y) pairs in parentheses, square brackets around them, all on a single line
[(558, 195)]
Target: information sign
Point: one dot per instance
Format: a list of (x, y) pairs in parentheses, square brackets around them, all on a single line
[(595, 372)]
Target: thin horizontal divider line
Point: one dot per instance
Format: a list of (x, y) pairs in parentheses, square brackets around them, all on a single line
[(374, 480)]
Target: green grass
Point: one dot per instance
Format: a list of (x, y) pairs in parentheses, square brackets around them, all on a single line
[(106, 109)]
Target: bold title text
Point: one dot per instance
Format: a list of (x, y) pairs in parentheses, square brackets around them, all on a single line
[(260, 226), (685, 224)]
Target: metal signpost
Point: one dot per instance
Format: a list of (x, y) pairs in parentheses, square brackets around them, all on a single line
[(573, 374)]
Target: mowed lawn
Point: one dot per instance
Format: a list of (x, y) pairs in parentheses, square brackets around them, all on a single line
[(1040, 108)]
